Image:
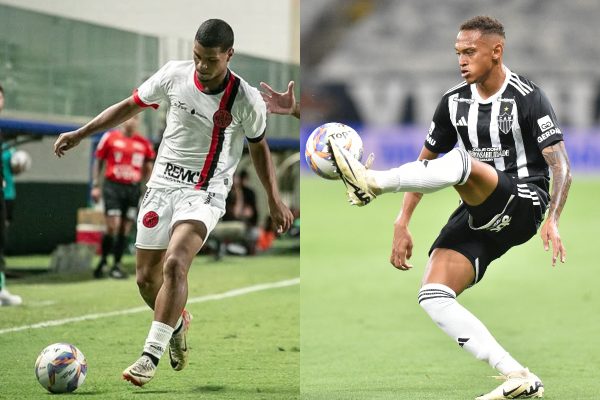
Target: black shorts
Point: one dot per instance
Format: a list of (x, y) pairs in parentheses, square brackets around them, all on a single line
[(510, 216), (121, 199)]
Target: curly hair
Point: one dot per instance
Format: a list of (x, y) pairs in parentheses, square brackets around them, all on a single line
[(484, 24)]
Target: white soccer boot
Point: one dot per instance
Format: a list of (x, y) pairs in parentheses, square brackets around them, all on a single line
[(361, 188), (519, 384), (178, 349), (9, 299), (140, 372)]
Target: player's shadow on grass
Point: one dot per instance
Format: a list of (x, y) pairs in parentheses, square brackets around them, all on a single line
[(209, 388), (144, 391), (221, 388)]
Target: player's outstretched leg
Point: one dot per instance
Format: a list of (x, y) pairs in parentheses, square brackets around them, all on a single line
[(140, 372), (517, 385), (423, 176), (178, 349)]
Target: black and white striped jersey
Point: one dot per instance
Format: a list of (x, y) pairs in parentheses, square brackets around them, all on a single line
[(507, 131)]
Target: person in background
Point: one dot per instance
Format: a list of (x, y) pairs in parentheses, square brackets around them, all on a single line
[(129, 157), (6, 298)]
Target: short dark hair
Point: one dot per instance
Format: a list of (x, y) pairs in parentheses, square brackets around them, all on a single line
[(484, 24), (1, 89), (215, 33)]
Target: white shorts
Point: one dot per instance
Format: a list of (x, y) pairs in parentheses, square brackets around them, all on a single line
[(161, 209)]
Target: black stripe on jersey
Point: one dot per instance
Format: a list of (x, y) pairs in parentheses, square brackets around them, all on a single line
[(484, 139), (215, 160)]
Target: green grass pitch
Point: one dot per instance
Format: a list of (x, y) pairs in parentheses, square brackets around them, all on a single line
[(244, 347), (363, 335)]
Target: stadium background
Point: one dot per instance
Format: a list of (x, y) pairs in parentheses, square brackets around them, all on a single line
[(63, 62), (381, 67)]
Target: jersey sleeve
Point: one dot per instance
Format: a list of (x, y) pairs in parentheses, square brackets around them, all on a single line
[(254, 119), (153, 90), (542, 120), (102, 148), (441, 137)]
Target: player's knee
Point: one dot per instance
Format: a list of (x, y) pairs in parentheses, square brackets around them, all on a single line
[(144, 279), (175, 268)]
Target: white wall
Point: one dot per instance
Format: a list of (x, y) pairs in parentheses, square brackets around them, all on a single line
[(263, 28)]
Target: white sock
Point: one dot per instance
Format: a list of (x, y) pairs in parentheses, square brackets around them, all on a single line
[(426, 176), (158, 339), (439, 301)]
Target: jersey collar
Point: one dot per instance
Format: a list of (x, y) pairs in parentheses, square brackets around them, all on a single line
[(216, 91), (475, 94)]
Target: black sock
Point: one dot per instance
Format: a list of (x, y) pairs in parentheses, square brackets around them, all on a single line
[(119, 248), (107, 244), (178, 328), (152, 357)]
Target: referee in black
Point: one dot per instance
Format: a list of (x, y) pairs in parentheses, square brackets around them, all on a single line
[(508, 140)]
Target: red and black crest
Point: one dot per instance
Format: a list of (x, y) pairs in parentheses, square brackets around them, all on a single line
[(222, 118), (150, 219)]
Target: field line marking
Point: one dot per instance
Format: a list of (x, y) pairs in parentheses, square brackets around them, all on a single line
[(201, 299)]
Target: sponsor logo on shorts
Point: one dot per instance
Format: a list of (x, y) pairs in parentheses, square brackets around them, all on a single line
[(178, 173), (545, 123), (222, 118), (209, 197), (500, 223), (150, 219)]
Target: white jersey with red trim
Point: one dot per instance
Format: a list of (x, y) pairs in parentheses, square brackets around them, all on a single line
[(204, 136)]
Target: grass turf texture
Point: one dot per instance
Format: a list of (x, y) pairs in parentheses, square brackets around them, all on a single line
[(363, 335), (244, 347)]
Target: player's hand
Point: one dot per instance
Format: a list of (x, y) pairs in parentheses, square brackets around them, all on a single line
[(66, 141), (281, 215), (402, 247), (279, 103), (95, 194), (550, 235)]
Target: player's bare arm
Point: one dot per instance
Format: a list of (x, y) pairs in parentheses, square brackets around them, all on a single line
[(402, 243), (281, 103), (109, 118), (261, 158), (558, 161), (96, 192)]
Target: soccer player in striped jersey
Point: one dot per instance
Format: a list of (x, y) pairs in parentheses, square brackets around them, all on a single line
[(508, 139), (211, 111)]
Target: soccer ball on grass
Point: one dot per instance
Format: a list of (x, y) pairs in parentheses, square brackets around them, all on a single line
[(61, 368)]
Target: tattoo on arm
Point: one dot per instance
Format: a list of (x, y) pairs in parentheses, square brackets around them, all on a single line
[(557, 159)]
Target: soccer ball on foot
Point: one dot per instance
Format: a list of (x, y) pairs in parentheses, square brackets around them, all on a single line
[(61, 368), (318, 153)]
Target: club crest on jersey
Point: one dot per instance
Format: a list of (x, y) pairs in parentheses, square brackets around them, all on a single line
[(222, 118), (505, 121)]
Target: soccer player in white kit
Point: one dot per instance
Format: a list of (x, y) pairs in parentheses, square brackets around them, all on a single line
[(210, 112)]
